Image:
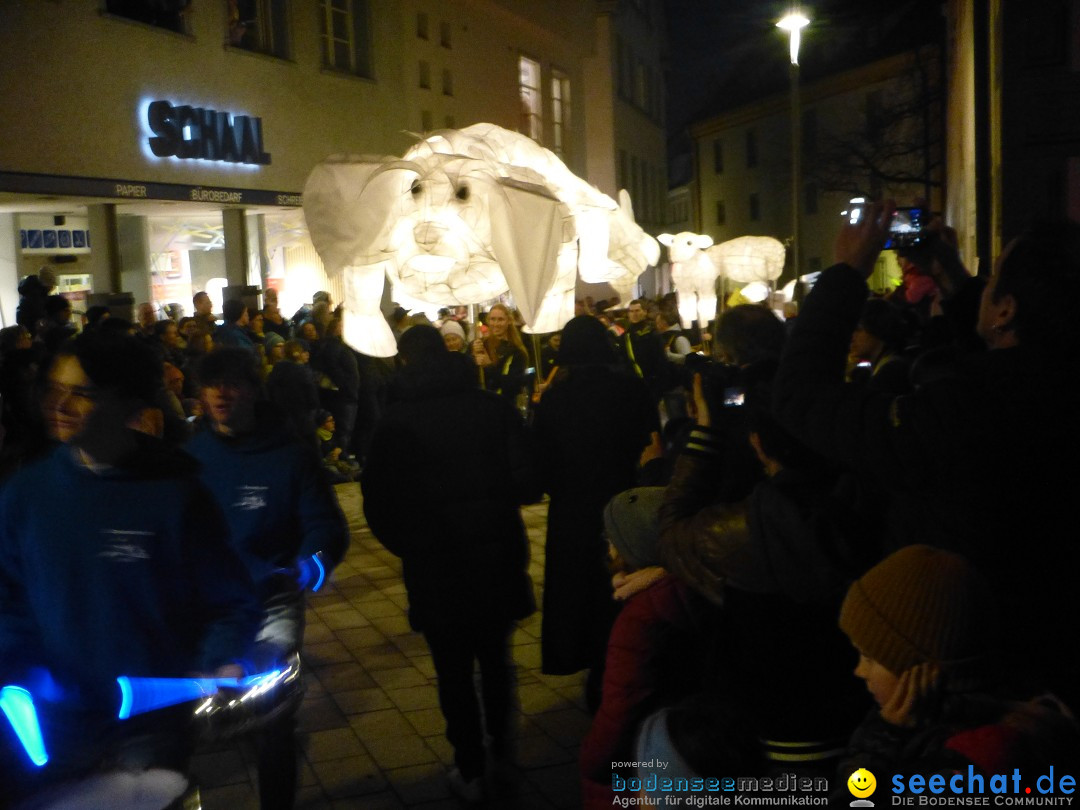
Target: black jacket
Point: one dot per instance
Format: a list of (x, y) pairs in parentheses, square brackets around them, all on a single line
[(448, 467)]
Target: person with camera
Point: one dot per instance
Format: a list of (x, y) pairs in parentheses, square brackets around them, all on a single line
[(977, 455), (774, 544)]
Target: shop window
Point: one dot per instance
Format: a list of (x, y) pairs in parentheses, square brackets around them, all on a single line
[(426, 121), (532, 119), (560, 113), (168, 14), (425, 75), (422, 25), (718, 156), (721, 213), (447, 82), (444, 34), (259, 25), (346, 35)]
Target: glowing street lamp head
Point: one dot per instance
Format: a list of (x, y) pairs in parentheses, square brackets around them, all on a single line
[(793, 23)]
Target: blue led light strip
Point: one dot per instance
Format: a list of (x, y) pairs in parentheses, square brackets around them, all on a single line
[(18, 707)]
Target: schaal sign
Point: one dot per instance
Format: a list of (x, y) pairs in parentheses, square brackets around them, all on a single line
[(195, 133)]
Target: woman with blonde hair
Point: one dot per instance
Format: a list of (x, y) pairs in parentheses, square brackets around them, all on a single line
[(501, 356)]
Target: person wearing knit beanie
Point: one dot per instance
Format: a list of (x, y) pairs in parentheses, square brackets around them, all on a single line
[(922, 615), (453, 335), (632, 525)]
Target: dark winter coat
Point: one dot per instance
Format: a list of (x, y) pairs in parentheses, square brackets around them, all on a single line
[(448, 467), (291, 387), (590, 428), (780, 565), (336, 361)]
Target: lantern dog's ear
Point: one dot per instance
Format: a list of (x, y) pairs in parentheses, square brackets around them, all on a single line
[(526, 236), (349, 234)]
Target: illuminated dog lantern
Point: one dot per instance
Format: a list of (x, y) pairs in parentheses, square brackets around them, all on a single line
[(463, 217), (694, 275)]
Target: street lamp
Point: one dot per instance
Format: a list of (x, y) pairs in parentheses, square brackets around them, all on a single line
[(793, 23)]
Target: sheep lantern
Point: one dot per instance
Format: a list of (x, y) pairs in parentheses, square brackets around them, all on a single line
[(694, 274)]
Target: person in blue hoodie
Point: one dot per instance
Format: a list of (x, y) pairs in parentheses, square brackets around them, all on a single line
[(281, 511), (113, 561)]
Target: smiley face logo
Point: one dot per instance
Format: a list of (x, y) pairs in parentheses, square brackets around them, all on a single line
[(861, 783)]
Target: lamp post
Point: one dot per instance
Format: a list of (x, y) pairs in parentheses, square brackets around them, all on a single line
[(793, 23)]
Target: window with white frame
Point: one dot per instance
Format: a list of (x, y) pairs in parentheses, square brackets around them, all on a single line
[(560, 113), (346, 35), (532, 118)]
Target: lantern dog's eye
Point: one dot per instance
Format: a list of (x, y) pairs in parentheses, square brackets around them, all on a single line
[(462, 193), (416, 187)]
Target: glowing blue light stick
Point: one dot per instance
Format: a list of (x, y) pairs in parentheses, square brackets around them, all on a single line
[(311, 568), (18, 706), (140, 695)]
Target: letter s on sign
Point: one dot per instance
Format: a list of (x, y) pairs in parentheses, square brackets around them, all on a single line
[(159, 117)]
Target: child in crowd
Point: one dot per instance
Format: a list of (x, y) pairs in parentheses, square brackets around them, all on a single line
[(338, 470), (925, 625), (655, 652)]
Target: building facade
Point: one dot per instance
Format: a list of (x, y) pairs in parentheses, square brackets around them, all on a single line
[(854, 125), (164, 153)]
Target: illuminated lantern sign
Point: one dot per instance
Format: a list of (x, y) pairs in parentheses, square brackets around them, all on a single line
[(193, 133)]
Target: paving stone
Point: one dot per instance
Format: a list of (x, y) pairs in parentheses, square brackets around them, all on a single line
[(399, 678), (357, 701), (335, 677), (420, 783), (321, 714), (414, 697), (427, 722), (351, 776), (335, 743), (400, 751), (536, 698), (360, 638), (392, 625), (376, 725), (345, 619), (330, 652)]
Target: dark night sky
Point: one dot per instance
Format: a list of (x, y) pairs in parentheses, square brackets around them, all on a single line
[(724, 53)]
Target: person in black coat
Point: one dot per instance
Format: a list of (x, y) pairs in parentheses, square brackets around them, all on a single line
[(591, 427), (340, 392), (291, 387), (448, 467)]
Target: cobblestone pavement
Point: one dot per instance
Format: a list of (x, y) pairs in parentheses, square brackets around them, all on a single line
[(370, 726)]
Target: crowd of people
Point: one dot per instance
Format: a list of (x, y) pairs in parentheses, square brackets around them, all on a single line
[(802, 547)]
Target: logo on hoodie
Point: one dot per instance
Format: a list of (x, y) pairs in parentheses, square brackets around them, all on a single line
[(251, 498), (125, 546)]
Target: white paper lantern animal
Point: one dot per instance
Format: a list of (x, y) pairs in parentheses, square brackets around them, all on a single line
[(694, 275), (463, 217), (749, 258)]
